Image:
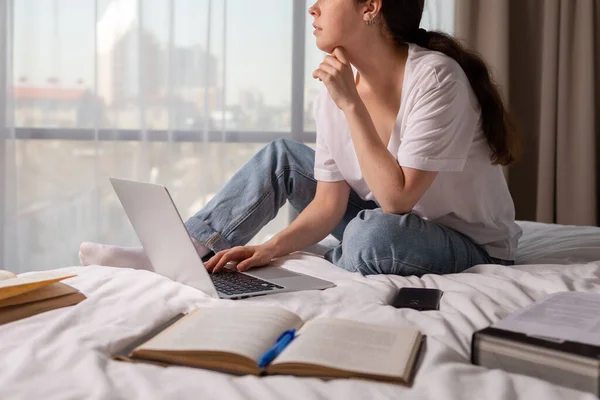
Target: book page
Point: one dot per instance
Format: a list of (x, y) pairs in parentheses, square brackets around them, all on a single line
[(47, 292), (23, 284), (6, 274), (569, 316), (353, 346), (248, 331)]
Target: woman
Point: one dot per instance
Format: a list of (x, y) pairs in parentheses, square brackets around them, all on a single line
[(407, 170)]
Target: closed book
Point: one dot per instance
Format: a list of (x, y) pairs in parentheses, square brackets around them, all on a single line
[(22, 297), (556, 339), (31, 308)]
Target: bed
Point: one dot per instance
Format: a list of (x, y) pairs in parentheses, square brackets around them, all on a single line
[(66, 353)]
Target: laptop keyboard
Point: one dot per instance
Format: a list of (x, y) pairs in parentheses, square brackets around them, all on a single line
[(232, 283)]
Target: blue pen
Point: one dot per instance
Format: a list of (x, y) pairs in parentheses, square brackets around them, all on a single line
[(280, 344)]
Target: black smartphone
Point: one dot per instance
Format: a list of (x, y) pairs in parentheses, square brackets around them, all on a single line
[(421, 299)]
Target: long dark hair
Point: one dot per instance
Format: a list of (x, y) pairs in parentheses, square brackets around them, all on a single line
[(402, 20)]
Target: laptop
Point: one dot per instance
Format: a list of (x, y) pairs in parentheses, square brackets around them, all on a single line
[(169, 247)]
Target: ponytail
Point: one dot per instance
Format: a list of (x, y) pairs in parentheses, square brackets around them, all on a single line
[(402, 18)]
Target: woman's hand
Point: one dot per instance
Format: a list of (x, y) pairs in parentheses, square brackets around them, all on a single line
[(336, 73), (246, 257)]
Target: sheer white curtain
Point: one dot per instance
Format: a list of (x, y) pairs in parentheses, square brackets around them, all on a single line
[(3, 133), (178, 92), (7, 144)]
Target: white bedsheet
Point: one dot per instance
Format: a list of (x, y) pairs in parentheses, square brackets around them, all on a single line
[(557, 244), (65, 354)]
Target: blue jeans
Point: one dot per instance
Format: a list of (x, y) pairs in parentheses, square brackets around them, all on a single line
[(372, 242)]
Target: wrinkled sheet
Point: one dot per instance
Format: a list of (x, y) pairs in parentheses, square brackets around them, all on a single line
[(65, 353)]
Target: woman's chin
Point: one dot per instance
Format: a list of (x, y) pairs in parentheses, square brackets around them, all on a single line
[(326, 47)]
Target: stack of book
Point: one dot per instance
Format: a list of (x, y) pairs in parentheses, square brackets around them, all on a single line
[(22, 297), (556, 339)]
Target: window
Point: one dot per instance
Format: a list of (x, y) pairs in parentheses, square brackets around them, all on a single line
[(178, 92)]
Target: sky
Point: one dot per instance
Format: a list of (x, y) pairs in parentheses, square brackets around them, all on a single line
[(55, 38)]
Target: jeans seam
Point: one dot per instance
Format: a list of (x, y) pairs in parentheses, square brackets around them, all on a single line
[(278, 175), (301, 172), (312, 178), (263, 198), (202, 226), (355, 269), (245, 216), (419, 267), (213, 239)]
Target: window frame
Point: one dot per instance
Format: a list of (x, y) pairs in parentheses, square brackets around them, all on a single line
[(296, 131), (220, 136)]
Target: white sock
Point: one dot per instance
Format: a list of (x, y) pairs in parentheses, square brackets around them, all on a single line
[(125, 257), (113, 256)]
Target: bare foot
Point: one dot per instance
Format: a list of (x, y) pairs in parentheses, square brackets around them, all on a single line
[(113, 256)]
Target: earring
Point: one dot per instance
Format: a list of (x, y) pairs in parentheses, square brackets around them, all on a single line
[(372, 21)]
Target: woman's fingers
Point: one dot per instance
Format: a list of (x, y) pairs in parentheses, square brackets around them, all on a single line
[(210, 264), (334, 62), (340, 54), (253, 261), (227, 257), (216, 259), (247, 257), (235, 254), (318, 74), (328, 68)]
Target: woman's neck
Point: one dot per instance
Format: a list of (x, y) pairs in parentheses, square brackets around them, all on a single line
[(380, 66)]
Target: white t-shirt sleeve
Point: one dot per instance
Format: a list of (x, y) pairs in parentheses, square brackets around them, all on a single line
[(439, 130), (325, 167)]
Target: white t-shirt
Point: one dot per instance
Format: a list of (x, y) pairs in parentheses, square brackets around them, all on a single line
[(437, 129)]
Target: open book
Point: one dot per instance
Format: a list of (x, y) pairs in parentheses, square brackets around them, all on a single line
[(234, 339), (22, 297), (13, 285)]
